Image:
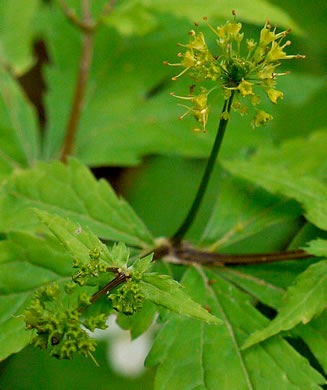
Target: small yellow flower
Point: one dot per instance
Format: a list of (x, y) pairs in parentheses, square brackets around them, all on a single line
[(251, 45), (276, 52), (261, 118), (266, 36), (221, 31), (274, 95), (188, 59), (245, 87), (198, 43), (232, 28)]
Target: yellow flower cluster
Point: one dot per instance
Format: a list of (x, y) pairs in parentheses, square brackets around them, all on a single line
[(231, 71)]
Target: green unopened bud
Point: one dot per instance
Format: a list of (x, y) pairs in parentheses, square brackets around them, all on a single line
[(94, 254), (84, 299), (128, 298)]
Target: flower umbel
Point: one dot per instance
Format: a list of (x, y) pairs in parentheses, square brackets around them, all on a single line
[(230, 70)]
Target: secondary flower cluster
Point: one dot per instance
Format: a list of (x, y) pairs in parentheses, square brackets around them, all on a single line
[(58, 327), (58, 315), (232, 71)]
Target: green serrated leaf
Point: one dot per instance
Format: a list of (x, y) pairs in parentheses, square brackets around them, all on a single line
[(27, 262), (143, 264), (206, 352), (69, 191), (310, 192), (314, 334), (120, 253), (166, 292), (76, 240), (303, 300)]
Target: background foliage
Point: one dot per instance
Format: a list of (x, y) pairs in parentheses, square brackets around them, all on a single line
[(269, 178)]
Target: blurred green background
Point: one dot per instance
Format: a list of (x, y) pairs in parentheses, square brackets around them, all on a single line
[(129, 131)]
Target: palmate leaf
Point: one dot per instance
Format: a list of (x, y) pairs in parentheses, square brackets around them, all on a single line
[(304, 300), (199, 356), (27, 262), (19, 140), (69, 191)]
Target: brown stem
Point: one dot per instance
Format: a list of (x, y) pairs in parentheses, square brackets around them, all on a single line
[(185, 254), (121, 278), (83, 75)]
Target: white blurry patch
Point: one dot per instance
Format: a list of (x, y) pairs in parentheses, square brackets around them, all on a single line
[(125, 356)]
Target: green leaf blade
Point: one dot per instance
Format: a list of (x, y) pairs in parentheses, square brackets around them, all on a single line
[(303, 300), (78, 242), (166, 292), (308, 191), (88, 202), (207, 352)]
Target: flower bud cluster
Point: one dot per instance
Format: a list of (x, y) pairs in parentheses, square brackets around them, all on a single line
[(231, 70), (58, 328), (87, 272), (59, 316), (128, 298)]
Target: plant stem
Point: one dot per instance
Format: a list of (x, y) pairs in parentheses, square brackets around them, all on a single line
[(208, 258), (83, 75), (185, 254), (121, 278), (178, 236)]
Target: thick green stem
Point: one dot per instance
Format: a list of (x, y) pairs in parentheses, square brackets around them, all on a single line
[(178, 236)]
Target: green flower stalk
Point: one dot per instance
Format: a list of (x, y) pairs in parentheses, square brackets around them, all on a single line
[(230, 70), (238, 76)]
